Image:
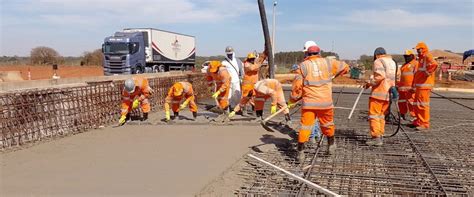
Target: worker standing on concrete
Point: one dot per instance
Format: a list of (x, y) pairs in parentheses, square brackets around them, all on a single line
[(176, 93), (135, 93), (382, 81), (235, 70), (313, 85), (405, 86), (423, 83), (264, 89), (251, 68), (217, 74)]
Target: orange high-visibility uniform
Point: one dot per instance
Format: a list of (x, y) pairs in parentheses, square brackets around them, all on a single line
[(423, 83), (221, 79), (313, 84), (187, 92), (265, 89), (251, 74), (142, 93), (384, 77), (405, 86)]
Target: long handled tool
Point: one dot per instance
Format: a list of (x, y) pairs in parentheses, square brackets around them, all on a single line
[(276, 113), (449, 99), (355, 103)]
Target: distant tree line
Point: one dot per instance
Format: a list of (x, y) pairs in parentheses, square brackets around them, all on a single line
[(43, 55), (367, 61)]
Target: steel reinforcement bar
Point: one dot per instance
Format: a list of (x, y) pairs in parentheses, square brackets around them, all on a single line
[(32, 115)]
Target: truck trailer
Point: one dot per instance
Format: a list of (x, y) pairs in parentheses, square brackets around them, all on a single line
[(146, 50)]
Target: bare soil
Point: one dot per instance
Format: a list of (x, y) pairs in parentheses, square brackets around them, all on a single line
[(46, 72)]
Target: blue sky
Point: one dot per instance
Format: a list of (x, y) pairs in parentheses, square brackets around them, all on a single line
[(355, 27)]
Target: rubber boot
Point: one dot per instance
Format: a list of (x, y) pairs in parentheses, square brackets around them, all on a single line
[(195, 114), (176, 114), (376, 141), (300, 157), (145, 116), (288, 119), (331, 145), (259, 113)]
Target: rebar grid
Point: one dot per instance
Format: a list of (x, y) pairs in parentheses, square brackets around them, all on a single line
[(435, 163), (32, 115)]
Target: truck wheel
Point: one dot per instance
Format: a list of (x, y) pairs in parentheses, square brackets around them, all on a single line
[(156, 68), (161, 68), (139, 70)]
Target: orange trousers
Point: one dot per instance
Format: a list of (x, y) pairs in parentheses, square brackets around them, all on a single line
[(422, 107), (127, 106), (246, 92), (308, 116), (223, 99), (176, 103), (377, 111), (405, 103)]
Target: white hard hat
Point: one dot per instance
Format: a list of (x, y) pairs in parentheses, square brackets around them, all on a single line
[(129, 86), (229, 50), (308, 44)]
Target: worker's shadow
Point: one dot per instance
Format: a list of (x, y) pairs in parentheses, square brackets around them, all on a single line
[(282, 144), (272, 126)]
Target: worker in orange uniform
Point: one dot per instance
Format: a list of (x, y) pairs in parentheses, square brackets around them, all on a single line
[(135, 93), (382, 81), (313, 85), (263, 90), (251, 68), (423, 83), (217, 74), (405, 88), (175, 95)]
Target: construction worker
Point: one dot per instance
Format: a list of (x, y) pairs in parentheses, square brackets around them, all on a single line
[(251, 68), (235, 70), (313, 85), (423, 83), (264, 89), (217, 74), (175, 95), (135, 93), (405, 86), (382, 81)]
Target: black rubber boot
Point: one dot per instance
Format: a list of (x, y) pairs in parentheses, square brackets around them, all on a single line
[(195, 115), (300, 157), (145, 116), (331, 145), (259, 113), (176, 114), (287, 117)]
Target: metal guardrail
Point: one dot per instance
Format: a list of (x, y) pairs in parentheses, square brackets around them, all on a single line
[(32, 115)]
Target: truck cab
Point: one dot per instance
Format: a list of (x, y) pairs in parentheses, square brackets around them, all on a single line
[(124, 53)]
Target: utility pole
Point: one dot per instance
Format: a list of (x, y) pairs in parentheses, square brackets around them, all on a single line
[(266, 35), (274, 28)]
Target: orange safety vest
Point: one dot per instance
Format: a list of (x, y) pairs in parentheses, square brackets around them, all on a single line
[(385, 67), (221, 78), (187, 91), (423, 79), (142, 90), (250, 73), (317, 83), (406, 76)]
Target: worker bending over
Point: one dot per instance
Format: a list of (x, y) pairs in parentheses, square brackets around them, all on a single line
[(135, 93), (423, 83), (381, 81), (251, 67), (313, 85), (405, 86), (176, 93), (263, 90), (217, 74)]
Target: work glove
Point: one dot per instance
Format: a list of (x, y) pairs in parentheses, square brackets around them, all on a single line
[(231, 114), (273, 109), (291, 104), (182, 106), (168, 116), (135, 104), (122, 119), (216, 94)]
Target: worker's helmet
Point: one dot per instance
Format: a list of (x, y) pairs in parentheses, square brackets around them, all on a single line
[(409, 52), (178, 89), (129, 86), (308, 44), (294, 68), (379, 51), (251, 56), (229, 50), (214, 66), (313, 50), (421, 46)]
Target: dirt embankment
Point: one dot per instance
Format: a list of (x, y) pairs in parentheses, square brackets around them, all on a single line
[(46, 72)]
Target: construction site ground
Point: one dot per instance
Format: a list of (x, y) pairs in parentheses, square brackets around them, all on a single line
[(209, 159)]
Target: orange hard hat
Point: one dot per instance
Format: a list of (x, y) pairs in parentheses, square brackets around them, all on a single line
[(178, 89), (423, 47), (214, 66)]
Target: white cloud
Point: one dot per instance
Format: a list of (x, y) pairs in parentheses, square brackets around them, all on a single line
[(398, 18)]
